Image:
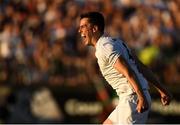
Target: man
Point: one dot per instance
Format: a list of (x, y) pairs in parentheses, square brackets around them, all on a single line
[(123, 71)]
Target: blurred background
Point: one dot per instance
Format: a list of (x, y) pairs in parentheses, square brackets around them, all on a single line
[(48, 76)]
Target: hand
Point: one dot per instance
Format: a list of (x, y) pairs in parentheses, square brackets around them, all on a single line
[(142, 105), (165, 98)]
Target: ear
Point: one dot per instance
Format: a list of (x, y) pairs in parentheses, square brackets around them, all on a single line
[(95, 28)]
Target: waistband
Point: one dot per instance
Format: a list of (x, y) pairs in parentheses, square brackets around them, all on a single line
[(123, 94)]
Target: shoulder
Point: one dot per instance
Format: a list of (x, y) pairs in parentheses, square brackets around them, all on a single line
[(113, 44), (109, 46), (106, 43)]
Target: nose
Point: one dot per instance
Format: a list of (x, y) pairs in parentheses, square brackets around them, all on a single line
[(79, 30)]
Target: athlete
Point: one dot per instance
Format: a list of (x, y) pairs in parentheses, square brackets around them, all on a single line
[(123, 71)]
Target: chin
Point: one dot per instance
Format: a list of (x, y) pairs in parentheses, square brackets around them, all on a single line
[(86, 43)]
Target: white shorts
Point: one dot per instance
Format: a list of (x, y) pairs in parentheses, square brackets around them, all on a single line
[(126, 113)]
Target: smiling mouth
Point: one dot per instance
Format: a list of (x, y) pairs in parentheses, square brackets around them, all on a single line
[(83, 37)]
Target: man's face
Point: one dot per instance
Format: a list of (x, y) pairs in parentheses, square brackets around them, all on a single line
[(86, 31)]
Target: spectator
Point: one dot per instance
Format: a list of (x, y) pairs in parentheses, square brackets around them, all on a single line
[(39, 41)]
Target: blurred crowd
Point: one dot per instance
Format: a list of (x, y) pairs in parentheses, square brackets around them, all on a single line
[(40, 44)]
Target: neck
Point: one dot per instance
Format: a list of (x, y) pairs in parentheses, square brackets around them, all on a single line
[(95, 39)]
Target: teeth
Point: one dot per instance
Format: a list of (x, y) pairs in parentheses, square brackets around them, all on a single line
[(82, 35)]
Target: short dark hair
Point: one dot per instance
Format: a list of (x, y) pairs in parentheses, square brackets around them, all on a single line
[(95, 18)]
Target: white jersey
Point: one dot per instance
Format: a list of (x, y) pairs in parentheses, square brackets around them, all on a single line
[(107, 52)]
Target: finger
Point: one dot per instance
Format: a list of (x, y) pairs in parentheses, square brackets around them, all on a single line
[(138, 109), (142, 109), (165, 101)]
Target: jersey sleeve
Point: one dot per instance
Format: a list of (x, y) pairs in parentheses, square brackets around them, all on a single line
[(112, 52)]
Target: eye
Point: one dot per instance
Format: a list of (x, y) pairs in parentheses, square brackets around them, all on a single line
[(82, 26)]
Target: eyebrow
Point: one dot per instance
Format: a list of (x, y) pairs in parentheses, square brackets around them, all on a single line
[(84, 25)]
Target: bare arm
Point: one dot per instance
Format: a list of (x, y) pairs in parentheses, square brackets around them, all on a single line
[(123, 67), (148, 74)]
